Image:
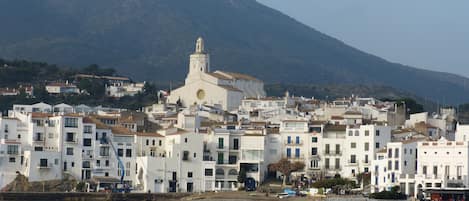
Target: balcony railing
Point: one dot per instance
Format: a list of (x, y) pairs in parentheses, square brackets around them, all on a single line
[(38, 139), (44, 166), (293, 143), (71, 141), (352, 162), (333, 153)]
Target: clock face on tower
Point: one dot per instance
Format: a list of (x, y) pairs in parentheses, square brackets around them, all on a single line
[(200, 94)]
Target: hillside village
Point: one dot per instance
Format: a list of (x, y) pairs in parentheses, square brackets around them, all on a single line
[(220, 128)]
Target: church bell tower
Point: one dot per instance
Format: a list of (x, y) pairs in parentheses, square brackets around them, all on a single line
[(199, 61)]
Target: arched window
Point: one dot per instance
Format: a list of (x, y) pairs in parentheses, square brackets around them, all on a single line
[(233, 172)]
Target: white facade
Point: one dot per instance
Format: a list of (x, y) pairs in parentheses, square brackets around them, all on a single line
[(221, 89)]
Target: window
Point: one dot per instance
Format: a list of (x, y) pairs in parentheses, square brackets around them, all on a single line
[(297, 153), (314, 151), (389, 165), (6, 128), (353, 145), (297, 140), (327, 149), (424, 170), (235, 144), (220, 158), (153, 142), (12, 160), (70, 137), (71, 122), (87, 129), (221, 143), (39, 137), (148, 142), (367, 133), (70, 151), (337, 149), (389, 153), (98, 163), (87, 142), (185, 155), (73, 164), (350, 133), (377, 145), (104, 151), (288, 152), (367, 146), (396, 153), (366, 159), (160, 143), (189, 174), (12, 149), (107, 163), (435, 170), (185, 140), (396, 165), (337, 163), (289, 139), (86, 164), (208, 172), (51, 135), (377, 132), (43, 162), (326, 163), (357, 133), (405, 151), (314, 139), (120, 152), (353, 158), (128, 153)]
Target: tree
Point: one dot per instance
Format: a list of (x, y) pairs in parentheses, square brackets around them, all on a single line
[(242, 175), (286, 168)]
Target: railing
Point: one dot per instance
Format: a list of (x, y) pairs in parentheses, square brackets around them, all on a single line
[(293, 143), (352, 162), (38, 139), (44, 166), (226, 162), (333, 153), (71, 141)]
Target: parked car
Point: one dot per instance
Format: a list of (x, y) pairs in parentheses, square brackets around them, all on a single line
[(283, 195)]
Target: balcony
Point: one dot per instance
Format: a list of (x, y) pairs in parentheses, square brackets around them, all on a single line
[(234, 148), (352, 162), (332, 153), (226, 162), (221, 147), (71, 141), (296, 158), (366, 162), (44, 166), (293, 143), (38, 139)]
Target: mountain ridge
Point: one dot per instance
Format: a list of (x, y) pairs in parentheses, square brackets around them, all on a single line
[(151, 40)]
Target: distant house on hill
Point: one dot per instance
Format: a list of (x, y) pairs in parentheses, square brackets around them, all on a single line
[(62, 88)]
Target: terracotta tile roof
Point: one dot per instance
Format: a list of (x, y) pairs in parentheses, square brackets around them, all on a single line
[(97, 122), (148, 134), (40, 115), (238, 76), (219, 76)]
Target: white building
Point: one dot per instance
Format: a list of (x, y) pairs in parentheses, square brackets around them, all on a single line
[(121, 89), (62, 88), (219, 88)]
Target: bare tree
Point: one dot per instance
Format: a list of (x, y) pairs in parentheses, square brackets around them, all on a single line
[(286, 168)]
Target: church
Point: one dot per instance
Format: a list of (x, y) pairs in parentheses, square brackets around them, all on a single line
[(219, 88)]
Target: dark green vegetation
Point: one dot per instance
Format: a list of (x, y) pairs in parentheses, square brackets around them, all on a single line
[(13, 73), (150, 40), (394, 194)]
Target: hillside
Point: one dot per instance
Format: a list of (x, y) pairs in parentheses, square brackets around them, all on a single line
[(151, 40)]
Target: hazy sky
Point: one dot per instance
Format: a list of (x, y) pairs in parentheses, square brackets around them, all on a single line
[(430, 34)]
